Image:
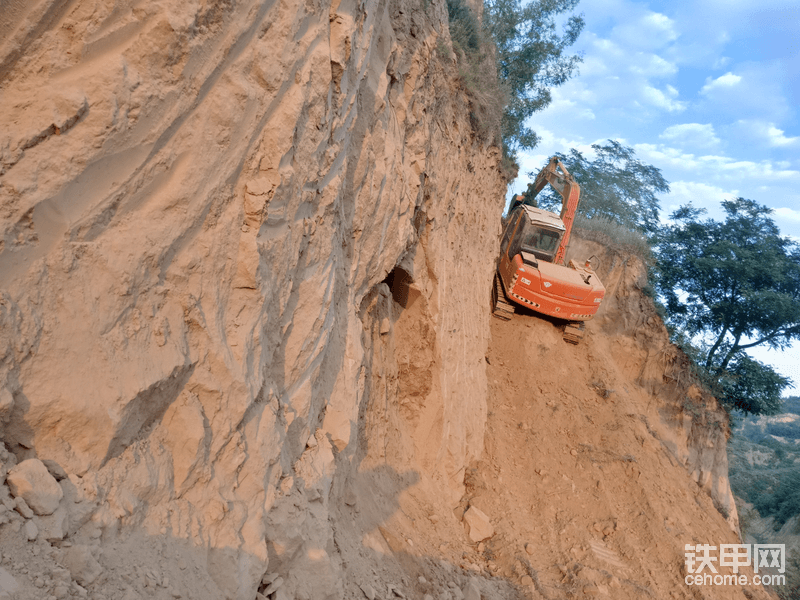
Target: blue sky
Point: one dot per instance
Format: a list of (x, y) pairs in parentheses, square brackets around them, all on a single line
[(708, 91)]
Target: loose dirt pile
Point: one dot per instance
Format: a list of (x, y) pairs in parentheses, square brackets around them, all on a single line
[(589, 500)]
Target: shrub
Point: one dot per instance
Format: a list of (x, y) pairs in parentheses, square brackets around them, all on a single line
[(615, 234), (477, 71)]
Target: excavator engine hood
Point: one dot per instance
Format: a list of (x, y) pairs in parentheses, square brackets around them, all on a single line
[(574, 292)]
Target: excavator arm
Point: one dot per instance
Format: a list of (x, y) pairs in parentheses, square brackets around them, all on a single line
[(556, 174)]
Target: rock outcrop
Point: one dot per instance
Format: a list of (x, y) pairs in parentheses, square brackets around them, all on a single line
[(32, 485), (206, 211)]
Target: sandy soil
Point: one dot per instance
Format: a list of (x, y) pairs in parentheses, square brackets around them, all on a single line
[(586, 501)]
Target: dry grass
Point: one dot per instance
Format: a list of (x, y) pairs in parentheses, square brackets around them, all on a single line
[(611, 233), (477, 71)]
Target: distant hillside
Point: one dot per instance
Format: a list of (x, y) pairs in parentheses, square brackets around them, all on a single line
[(785, 425), (764, 454), (764, 459)]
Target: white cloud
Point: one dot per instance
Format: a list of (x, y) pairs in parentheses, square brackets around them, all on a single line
[(701, 195), (533, 160), (660, 23), (730, 126), (724, 82), (717, 168), (573, 100), (665, 100), (764, 170), (756, 91), (592, 66), (721, 62), (777, 137), (694, 135), (787, 214), (663, 156), (647, 31), (763, 133), (549, 143), (617, 77), (652, 65)]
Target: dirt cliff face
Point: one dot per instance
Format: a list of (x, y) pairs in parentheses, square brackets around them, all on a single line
[(200, 205), (603, 460), (245, 260), (688, 422), (600, 462)]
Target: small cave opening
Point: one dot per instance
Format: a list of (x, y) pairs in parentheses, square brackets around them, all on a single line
[(399, 281)]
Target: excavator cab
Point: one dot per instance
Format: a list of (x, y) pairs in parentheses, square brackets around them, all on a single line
[(533, 234)]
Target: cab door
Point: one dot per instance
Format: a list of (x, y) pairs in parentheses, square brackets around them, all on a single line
[(513, 229)]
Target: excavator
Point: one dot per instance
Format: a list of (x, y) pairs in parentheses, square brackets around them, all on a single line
[(531, 271)]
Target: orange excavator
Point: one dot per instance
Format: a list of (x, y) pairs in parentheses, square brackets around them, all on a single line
[(531, 271)]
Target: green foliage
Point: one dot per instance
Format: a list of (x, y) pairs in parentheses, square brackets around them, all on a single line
[(615, 185), (508, 63), (764, 431), (531, 58), (443, 50), (770, 485), (788, 431), (738, 283), (792, 405), (464, 26), (773, 487), (778, 448), (790, 591), (750, 386), (782, 500)]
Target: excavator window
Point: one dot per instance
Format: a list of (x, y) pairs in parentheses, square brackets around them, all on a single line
[(512, 225), (539, 241)]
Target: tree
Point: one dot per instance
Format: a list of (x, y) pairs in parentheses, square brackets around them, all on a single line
[(737, 283), (477, 69), (615, 185), (530, 59), (751, 386)]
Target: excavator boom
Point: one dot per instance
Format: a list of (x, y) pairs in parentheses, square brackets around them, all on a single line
[(556, 174)]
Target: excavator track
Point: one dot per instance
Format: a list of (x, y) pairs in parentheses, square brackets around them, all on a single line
[(501, 307), (573, 332)]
